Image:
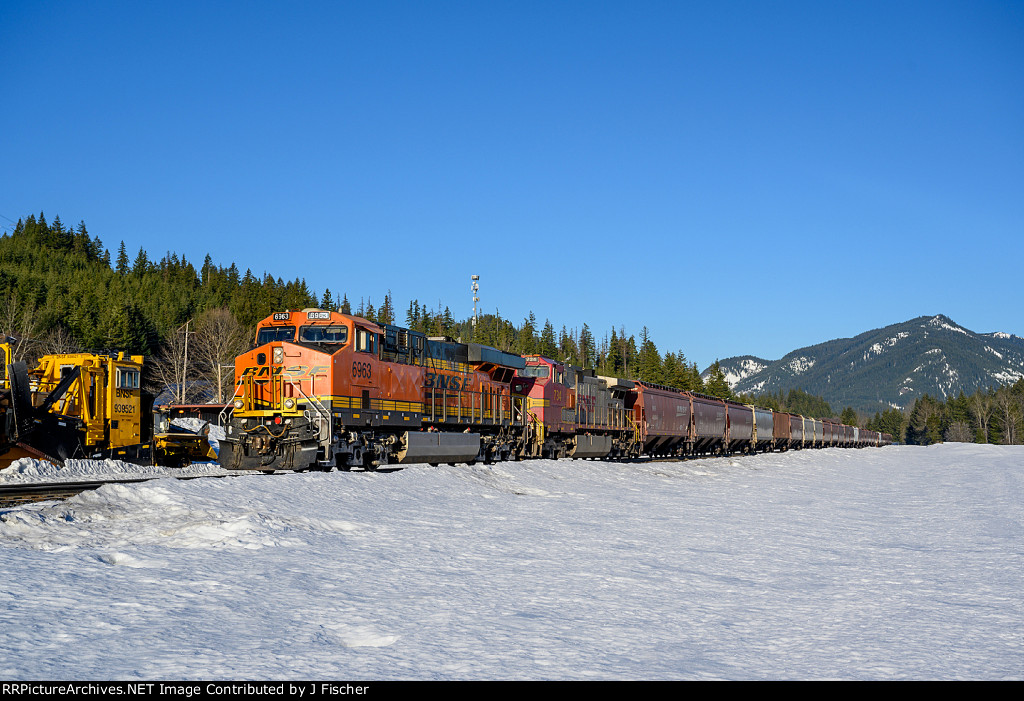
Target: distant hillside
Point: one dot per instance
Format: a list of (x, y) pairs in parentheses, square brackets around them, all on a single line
[(741, 367), (887, 367)]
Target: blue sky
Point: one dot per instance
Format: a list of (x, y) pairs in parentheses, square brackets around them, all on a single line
[(740, 177)]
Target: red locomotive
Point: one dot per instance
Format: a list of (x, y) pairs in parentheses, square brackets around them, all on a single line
[(572, 413)]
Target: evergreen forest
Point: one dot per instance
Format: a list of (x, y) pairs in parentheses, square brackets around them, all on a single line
[(62, 291)]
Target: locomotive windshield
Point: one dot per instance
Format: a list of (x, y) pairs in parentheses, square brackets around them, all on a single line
[(534, 371), (323, 334), (269, 334)]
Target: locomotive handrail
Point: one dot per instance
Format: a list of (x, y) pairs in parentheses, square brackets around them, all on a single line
[(538, 427), (520, 413), (636, 428), (490, 407), (225, 415), (321, 410)]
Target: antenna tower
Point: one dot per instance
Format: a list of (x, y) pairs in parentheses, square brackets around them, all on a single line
[(475, 288)]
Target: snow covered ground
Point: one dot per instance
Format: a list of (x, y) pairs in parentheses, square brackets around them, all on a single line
[(31, 471), (892, 563)]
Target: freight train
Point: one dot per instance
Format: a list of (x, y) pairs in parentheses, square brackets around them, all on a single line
[(323, 390)]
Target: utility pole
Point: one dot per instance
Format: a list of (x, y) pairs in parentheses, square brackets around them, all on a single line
[(184, 367)]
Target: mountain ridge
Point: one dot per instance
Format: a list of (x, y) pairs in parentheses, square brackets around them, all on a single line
[(887, 367)]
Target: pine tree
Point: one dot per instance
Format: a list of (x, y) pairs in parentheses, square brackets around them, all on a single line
[(141, 265), (128, 330), (587, 347), (248, 300), (614, 355), (548, 346), (386, 314), (629, 357), (207, 269), (716, 384), (447, 322), (925, 421), (649, 360), (412, 315), (674, 371), (696, 382), (567, 347), (122, 260), (526, 338)]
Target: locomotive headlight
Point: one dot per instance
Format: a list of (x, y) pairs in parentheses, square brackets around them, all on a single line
[(289, 403), (238, 403), (278, 355)]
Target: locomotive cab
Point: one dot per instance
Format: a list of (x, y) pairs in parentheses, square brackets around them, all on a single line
[(281, 411)]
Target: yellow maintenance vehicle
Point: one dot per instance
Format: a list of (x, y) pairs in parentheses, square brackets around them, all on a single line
[(85, 405)]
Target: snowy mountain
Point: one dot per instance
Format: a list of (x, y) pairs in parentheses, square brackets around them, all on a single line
[(887, 367), (741, 367)]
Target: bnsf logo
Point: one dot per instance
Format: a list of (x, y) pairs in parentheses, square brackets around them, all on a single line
[(362, 370), (292, 372), (435, 381)]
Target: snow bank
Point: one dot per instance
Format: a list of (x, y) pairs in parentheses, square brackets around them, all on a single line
[(27, 470)]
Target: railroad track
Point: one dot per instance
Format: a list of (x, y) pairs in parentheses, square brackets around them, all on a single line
[(18, 494), (12, 495)]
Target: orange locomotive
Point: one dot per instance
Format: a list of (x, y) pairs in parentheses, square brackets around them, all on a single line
[(323, 389)]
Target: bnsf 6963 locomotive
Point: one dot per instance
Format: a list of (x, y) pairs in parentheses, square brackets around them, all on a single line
[(325, 389)]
